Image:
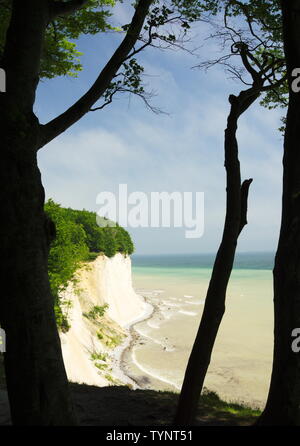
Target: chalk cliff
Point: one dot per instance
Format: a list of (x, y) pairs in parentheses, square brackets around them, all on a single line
[(89, 345)]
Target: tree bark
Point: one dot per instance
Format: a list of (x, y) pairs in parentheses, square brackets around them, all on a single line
[(36, 379), (35, 374), (214, 308), (283, 404)]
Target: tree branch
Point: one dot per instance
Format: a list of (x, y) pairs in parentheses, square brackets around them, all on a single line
[(147, 103), (61, 123), (244, 203), (244, 53)]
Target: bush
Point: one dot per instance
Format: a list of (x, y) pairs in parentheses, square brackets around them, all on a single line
[(96, 312)]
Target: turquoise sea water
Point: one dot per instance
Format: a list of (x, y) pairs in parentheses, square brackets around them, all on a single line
[(193, 263), (242, 357), (195, 271)]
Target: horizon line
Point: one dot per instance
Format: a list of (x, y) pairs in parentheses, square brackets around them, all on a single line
[(200, 253)]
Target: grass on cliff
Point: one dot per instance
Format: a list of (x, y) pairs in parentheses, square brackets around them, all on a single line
[(118, 405)]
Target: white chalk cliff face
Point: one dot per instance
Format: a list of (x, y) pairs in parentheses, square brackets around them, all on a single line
[(115, 289), (103, 281)]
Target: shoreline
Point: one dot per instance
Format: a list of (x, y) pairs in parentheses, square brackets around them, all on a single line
[(117, 356), (126, 361), (141, 377)]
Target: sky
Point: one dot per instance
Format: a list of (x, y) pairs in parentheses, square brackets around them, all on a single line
[(181, 150)]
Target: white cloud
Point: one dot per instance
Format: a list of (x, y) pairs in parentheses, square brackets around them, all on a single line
[(186, 154)]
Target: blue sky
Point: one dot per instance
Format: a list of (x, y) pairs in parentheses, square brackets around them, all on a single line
[(179, 151)]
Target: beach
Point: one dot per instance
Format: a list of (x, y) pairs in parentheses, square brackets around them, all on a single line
[(117, 356), (159, 346)]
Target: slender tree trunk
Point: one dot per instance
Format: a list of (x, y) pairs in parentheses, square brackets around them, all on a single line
[(214, 308), (283, 404)]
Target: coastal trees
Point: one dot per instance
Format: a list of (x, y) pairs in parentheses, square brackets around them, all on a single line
[(263, 66), (68, 249), (34, 43)]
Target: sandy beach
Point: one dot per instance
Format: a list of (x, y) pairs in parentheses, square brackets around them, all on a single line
[(128, 364), (117, 361), (158, 348)]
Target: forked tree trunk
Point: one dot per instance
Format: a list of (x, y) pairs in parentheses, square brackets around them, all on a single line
[(36, 379), (214, 308), (283, 404)]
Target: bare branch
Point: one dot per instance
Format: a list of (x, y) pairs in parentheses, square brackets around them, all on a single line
[(109, 101), (143, 96), (273, 86)]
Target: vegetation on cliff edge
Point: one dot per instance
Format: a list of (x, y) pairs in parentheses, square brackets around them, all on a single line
[(78, 238)]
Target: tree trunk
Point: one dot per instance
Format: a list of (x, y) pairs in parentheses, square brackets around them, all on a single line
[(283, 404), (36, 379), (214, 308)]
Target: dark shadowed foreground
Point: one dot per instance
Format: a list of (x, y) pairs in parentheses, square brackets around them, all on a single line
[(121, 406)]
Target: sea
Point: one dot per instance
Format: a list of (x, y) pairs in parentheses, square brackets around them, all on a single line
[(176, 285)]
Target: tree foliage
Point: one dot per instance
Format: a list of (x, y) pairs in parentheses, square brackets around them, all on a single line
[(78, 235), (60, 53), (257, 24)]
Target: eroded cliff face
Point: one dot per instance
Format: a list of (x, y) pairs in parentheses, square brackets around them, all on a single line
[(92, 346)]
